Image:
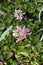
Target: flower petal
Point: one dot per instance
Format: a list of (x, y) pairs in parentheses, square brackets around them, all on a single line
[(15, 34)]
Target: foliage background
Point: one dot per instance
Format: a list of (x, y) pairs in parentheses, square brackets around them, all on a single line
[(29, 51)]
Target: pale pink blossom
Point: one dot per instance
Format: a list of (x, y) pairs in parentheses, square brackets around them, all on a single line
[(20, 33), (18, 14), (1, 63)]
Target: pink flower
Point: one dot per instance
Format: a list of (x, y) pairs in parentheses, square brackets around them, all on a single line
[(18, 14), (20, 33), (1, 63)]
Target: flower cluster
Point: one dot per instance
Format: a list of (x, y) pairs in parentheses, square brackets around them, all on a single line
[(18, 14), (20, 33)]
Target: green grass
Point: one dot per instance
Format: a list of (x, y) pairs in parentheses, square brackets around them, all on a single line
[(30, 50)]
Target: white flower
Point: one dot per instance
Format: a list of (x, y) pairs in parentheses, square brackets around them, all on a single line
[(18, 14)]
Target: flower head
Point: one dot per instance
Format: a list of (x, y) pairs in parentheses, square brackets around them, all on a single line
[(18, 14), (20, 33)]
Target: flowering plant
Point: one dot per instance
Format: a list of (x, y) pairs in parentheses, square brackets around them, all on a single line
[(21, 32)]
